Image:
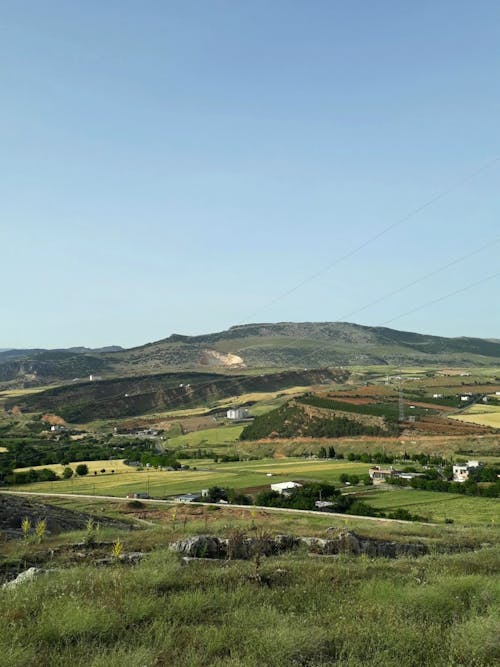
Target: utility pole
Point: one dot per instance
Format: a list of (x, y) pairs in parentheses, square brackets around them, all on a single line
[(401, 404)]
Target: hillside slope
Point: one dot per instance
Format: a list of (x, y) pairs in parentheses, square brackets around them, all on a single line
[(125, 397), (283, 345)]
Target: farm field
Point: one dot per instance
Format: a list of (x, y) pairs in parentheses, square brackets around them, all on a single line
[(487, 415), (238, 475), (11, 393), (466, 510), (117, 465), (211, 436)]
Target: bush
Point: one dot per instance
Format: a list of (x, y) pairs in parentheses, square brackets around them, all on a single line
[(82, 469), (67, 473)]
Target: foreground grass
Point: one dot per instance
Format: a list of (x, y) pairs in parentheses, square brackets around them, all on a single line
[(437, 610)]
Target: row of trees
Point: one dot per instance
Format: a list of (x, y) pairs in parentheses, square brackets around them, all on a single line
[(45, 475), (31, 452), (305, 498), (468, 488)]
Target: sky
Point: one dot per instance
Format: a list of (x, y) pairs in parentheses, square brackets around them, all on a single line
[(188, 166)]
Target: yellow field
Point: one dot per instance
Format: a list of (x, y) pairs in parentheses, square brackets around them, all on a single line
[(480, 409), (118, 466), (12, 393), (3, 449), (262, 395), (483, 416)]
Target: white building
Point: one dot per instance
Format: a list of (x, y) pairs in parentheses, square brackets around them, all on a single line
[(461, 470), (284, 488), (237, 413)]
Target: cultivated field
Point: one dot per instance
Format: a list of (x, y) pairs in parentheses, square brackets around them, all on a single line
[(117, 465), (483, 415), (437, 506), (238, 475)]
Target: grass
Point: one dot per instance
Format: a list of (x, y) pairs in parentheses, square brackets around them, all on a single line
[(242, 474), (487, 415), (211, 436), (250, 474), (118, 465), (11, 393), (437, 610), (466, 510)]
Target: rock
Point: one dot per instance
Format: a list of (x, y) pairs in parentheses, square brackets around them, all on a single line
[(132, 557), (348, 543), (315, 543), (28, 575), (243, 547), (200, 546), (286, 542)]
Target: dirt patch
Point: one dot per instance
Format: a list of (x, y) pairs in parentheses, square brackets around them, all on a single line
[(214, 358), (53, 420), (356, 400)]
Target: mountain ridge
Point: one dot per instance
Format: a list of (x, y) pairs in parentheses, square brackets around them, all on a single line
[(280, 345)]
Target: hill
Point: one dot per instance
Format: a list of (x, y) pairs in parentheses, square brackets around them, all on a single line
[(285, 345), (124, 397)]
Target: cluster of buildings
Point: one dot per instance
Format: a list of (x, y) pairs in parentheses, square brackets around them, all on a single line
[(379, 475), (460, 472)]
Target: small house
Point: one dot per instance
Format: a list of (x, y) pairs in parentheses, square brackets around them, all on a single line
[(461, 470), (323, 504), (187, 498), (237, 413), (379, 474), (285, 488)]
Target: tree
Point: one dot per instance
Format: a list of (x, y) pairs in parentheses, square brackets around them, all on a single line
[(215, 493), (331, 452), (82, 469), (67, 473)]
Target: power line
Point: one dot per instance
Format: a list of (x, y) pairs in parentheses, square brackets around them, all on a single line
[(420, 279), (375, 237), (442, 298)]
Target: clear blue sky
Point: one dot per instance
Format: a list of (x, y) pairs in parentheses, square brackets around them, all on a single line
[(175, 166)]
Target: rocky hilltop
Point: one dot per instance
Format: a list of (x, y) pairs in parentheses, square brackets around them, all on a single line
[(283, 345)]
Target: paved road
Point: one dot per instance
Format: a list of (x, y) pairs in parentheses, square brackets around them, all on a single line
[(243, 507)]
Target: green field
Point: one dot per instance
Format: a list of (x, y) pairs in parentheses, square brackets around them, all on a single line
[(211, 436), (466, 510), (236, 475)]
